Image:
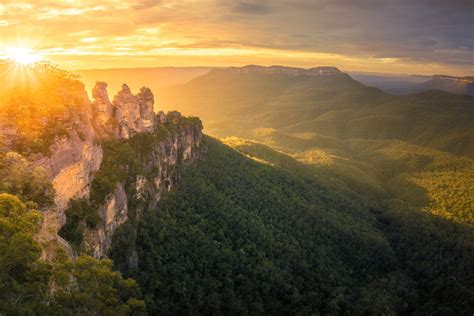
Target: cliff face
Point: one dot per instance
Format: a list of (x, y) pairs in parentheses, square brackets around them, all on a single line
[(160, 174), (73, 160), (72, 165), (76, 157), (112, 214)]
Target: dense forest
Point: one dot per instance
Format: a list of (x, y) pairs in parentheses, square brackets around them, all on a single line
[(240, 235)]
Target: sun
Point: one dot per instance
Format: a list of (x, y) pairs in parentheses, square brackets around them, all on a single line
[(21, 55)]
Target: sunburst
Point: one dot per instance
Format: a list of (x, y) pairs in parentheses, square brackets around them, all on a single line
[(21, 55), (17, 68)]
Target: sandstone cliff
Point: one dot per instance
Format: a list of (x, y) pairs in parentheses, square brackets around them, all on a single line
[(74, 158), (72, 161), (133, 114), (103, 120), (160, 172)]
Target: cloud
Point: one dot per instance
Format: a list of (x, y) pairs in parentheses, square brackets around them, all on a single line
[(251, 7), (146, 4), (433, 33)]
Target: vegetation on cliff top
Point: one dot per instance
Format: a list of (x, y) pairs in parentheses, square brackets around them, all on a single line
[(39, 102)]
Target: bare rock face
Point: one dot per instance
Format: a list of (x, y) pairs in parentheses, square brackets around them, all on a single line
[(79, 162), (73, 161), (127, 113), (147, 113), (101, 101), (181, 147), (103, 110), (113, 213)]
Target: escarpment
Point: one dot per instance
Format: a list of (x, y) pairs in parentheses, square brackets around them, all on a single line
[(108, 161), (157, 145), (140, 181), (143, 153)]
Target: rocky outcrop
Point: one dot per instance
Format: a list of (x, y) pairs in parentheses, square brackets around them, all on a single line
[(180, 147), (104, 122), (76, 157), (323, 71), (147, 114), (72, 163), (129, 114), (134, 114), (56, 128)]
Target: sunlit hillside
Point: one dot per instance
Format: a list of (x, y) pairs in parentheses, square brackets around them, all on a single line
[(37, 103), (368, 139), (333, 105)]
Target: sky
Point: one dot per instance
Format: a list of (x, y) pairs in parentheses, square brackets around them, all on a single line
[(422, 36)]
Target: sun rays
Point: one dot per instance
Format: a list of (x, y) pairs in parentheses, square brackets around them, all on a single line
[(22, 55)]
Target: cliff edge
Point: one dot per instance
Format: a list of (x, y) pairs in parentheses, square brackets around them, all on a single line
[(107, 161)]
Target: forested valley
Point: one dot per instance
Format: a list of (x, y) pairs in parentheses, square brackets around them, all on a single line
[(246, 235), (315, 195)]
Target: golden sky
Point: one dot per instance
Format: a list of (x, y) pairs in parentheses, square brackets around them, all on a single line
[(429, 37)]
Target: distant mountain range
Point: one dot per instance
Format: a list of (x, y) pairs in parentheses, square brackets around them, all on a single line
[(282, 70), (458, 85), (407, 84), (235, 101), (160, 77)]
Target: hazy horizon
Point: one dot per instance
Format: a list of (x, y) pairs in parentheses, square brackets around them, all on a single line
[(375, 73)]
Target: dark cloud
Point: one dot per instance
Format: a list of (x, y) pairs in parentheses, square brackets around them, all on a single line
[(423, 30), (146, 4), (251, 7)]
